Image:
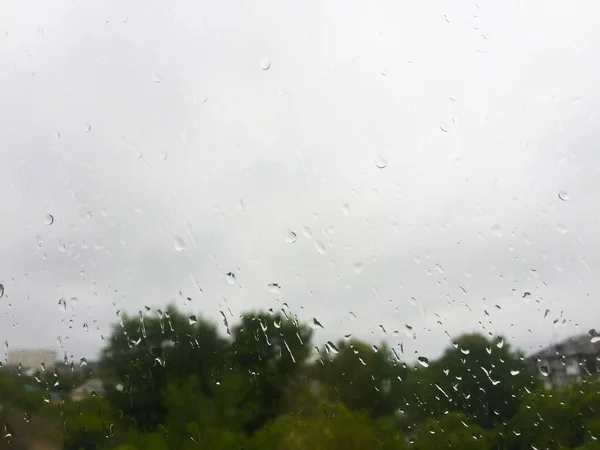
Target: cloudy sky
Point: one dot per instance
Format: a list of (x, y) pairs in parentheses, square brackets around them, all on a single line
[(385, 163)]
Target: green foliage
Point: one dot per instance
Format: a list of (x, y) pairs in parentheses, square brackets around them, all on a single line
[(145, 352), (453, 431), (558, 418), (271, 351), (362, 377), (322, 424), (476, 376)]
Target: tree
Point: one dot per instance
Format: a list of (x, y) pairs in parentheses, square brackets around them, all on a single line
[(557, 418), (363, 377), (146, 352), (454, 432), (322, 424), (480, 377), (271, 350)]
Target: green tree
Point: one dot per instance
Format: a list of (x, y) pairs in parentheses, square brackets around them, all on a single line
[(321, 424), (453, 431), (363, 377), (145, 352), (271, 350), (482, 378)]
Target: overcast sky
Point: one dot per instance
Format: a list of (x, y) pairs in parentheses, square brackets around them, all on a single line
[(435, 160)]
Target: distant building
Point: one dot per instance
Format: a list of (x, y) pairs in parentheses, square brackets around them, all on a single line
[(90, 387), (570, 360), (32, 359)]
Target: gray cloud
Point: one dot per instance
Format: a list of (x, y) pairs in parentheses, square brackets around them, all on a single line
[(169, 157)]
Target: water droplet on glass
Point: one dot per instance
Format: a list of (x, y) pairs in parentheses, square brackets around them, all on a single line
[(515, 372), (73, 302), (563, 195), (274, 287), (423, 361), (291, 237), (346, 209), (164, 156), (49, 219), (88, 128), (179, 243), (231, 278), (320, 247), (1, 290), (62, 304), (544, 370), (83, 362), (497, 230), (561, 228), (358, 268), (499, 342), (380, 162), (316, 323), (265, 64), (192, 320), (307, 232)]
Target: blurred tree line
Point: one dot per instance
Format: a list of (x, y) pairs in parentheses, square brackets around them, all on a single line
[(173, 382)]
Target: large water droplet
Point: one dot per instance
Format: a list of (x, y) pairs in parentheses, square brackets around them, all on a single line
[(83, 362), (316, 323), (320, 247), (231, 278), (274, 288), (423, 361), (561, 228), (265, 64), (497, 230), (291, 237), (380, 162), (1, 290), (62, 304), (515, 372), (192, 320), (563, 195), (544, 370), (179, 243), (49, 219)]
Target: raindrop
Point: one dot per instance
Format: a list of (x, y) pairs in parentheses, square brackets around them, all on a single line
[(307, 232), (192, 320), (561, 228), (320, 247), (164, 156), (497, 230), (265, 64), (380, 162), (515, 372), (316, 323), (179, 243), (526, 294), (423, 361), (544, 370), (291, 237), (230, 277), (352, 315), (62, 305), (346, 209), (73, 302), (358, 268), (1, 290), (49, 219), (563, 195), (88, 128), (83, 362), (274, 287), (332, 346), (465, 351), (499, 342)]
